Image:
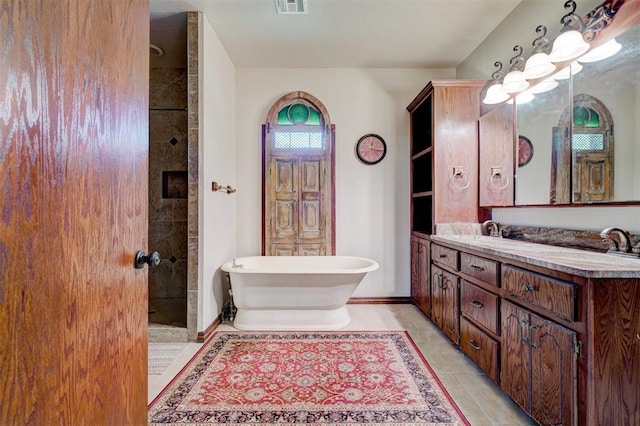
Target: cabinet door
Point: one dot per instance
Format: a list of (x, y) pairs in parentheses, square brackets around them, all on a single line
[(420, 287), (554, 381), (437, 296), (445, 309), (516, 355)]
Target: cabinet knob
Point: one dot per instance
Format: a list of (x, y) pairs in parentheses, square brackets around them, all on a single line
[(527, 288)]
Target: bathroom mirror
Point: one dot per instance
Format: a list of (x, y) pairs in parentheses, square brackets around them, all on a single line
[(586, 134)]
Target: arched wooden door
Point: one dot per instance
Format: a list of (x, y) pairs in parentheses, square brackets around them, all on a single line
[(298, 178)]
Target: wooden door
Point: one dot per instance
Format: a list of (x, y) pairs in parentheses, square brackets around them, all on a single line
[(73, 173), (297, 206), (298, 163), (515, 375), (553, 373)]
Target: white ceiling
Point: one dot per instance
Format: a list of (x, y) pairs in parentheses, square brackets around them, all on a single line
[(335, 33)]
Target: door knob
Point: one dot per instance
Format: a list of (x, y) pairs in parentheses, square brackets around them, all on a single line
[(153, 259)]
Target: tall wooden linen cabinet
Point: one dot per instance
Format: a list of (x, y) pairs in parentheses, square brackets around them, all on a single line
[(444, 176)]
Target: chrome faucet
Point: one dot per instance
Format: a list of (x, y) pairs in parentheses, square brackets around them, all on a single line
[(236, 265), (621, 239), (491, 228)]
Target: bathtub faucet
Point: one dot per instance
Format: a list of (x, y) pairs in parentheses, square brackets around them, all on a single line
[(236, 265)]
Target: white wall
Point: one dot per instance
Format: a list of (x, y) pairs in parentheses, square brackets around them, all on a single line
[(519, 28), (372, 202), (217, 215)]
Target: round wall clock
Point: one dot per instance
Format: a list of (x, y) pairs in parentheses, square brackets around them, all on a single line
[(371, 149), (525, 150)]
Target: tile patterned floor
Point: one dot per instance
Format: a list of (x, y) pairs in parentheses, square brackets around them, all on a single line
[(481, 401)]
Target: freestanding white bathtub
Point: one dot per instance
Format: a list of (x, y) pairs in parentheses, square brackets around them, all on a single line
[(294, 292)]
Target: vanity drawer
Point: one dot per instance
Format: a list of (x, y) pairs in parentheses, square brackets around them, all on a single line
[(557, 297), (478, 267), (480, 305), (481, 348), (445, 256)]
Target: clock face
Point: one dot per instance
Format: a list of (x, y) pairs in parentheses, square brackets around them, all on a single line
[(525, 151), (371, 149)]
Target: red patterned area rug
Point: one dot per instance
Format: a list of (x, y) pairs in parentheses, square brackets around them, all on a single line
[(322, 378)]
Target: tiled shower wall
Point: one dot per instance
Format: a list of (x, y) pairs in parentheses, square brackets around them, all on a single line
[(168, 195)]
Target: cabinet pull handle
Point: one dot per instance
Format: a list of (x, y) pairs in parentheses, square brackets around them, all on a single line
[(476, 304), (527, 288), (442, 256), (477, 268), (474, 345), (531, 328)]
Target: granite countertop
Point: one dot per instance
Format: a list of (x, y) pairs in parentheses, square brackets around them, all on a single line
[(576, 262)]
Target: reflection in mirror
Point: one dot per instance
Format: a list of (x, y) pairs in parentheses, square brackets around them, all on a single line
[(536, 122), (614, 82)]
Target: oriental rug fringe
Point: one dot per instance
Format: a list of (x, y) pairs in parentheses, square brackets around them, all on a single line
[(320, 378)]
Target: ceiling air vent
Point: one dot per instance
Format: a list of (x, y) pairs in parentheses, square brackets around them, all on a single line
[(291, 7)]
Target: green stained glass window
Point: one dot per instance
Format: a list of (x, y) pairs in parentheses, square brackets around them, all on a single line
[(585, 117), (299, 113)]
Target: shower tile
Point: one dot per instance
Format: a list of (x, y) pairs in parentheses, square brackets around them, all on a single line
[(180, 210), (180, 277), (160, 233), (160, 280), (167, 88), (192, 314), (165, 125), (192, 98), (179, 238), (192, 268), (192, 155), (192, 42), (159, 209)]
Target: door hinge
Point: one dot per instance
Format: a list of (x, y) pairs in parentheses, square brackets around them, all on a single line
[(578, 349)]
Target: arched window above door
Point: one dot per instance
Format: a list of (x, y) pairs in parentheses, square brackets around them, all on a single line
[(299, 121)]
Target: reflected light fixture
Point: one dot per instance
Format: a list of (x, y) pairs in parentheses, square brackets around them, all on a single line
[(495, 94), (524, 97), (569, 44), (544, 86), (603, 51), (514, 81), (539, 64), (573, 69)]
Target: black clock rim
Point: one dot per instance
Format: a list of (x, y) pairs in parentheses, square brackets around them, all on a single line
[(371, 135), (528, 142)]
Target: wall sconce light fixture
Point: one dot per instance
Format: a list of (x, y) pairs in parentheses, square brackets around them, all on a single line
[(495, 94), (569, 44), (539, 64), (514, 81)]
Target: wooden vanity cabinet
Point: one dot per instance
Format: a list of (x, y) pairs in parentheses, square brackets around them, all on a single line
[(420, 262), (564, 347)]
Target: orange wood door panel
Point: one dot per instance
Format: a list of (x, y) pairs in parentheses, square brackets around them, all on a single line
[(73, 211)]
